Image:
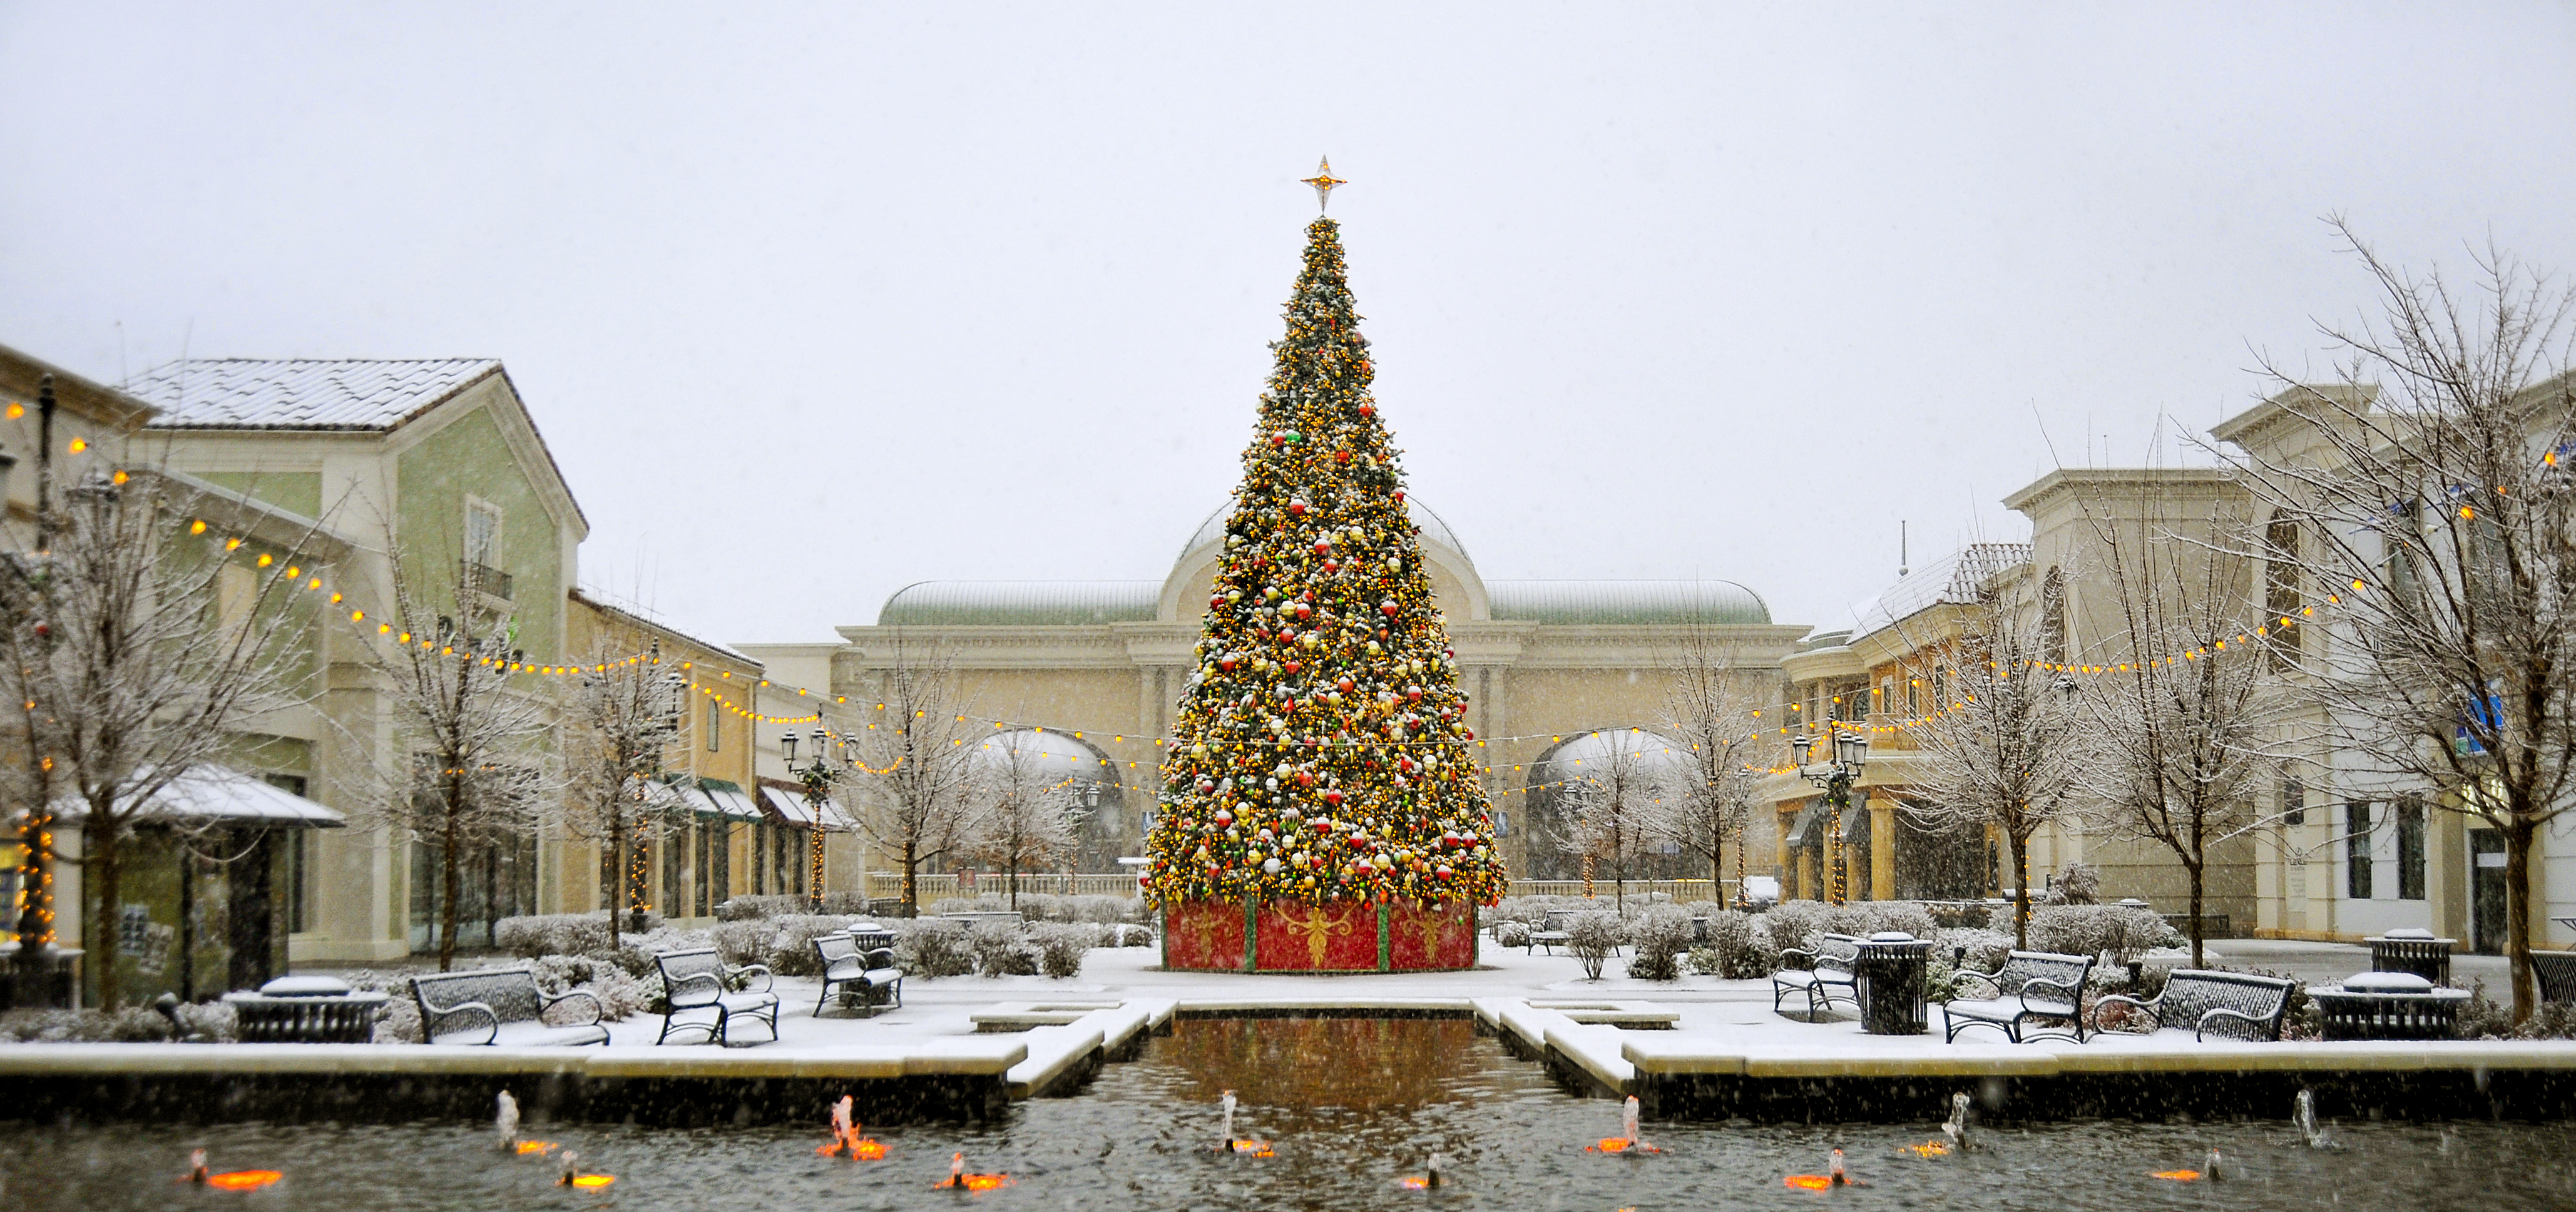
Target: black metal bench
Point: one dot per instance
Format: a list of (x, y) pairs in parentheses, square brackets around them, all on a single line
[(2232, 1004), (1556, 929), (503, 1004), (1826, 978), (2031, 985), (698, 979), (853, 967)]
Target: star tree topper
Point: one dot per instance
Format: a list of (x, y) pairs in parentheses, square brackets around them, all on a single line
[(1324, 181)]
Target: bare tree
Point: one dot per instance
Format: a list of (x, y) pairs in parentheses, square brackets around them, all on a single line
[(914, 764), (2432, 501), (1998, 750), (474, 768), (1610, 794), (626, 710), (2183, 721), (138, 644), (1024, 817), (1709, 711)]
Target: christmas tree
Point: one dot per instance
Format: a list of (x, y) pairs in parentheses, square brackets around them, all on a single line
[(1323, 752)]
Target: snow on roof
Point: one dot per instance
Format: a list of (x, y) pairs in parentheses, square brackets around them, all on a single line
[(1953, 580), (217, 793), (363, 394)]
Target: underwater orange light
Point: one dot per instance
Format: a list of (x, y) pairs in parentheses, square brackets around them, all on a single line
[(527, 1147), (242, 1180), (1928, 1149), (2180, 1176), (1808, 1182), (593, 1181), (974, 1182), (1250, 1148)]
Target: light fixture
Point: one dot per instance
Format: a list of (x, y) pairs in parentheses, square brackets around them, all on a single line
[(1804, 743)]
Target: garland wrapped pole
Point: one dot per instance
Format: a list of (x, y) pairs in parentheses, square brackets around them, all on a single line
[(1322, 807)]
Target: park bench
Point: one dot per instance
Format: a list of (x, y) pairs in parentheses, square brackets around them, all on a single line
[(1825, 978), (503, 1004), (2232, 1004), (853, 967), (1556, 929), (2030, 985), (698, 979)]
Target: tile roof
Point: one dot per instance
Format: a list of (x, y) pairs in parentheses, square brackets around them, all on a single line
[(1953, 580), (365, 394)]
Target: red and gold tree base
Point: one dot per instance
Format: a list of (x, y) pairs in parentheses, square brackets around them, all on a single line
[(1344, 936)]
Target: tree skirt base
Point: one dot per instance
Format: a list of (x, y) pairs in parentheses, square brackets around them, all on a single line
[(1340, 936)]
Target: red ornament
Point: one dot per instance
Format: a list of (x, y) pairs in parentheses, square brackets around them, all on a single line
[(1367, 410), (1333, 798), (1341, 456), (1399, 496), (1293, 666), (1387, 608)]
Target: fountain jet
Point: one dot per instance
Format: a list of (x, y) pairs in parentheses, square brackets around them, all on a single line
[(2305, 1113), (960, 1181), (1227, 1142), (1629, 1140), (506, 1122), (1956, 1127)]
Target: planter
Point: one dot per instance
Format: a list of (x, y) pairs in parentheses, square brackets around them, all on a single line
[(1339, 936)]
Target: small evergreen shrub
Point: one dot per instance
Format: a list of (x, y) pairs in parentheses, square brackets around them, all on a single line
[(1742, 942), (1592, 938), (1061, 945), (1000, 949), (931, 948), (1662, 935)]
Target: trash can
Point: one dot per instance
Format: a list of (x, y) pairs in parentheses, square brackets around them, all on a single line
[(2413, 950), (1889, 974)]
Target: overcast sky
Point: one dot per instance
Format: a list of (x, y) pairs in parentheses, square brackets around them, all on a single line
[(813, 302)]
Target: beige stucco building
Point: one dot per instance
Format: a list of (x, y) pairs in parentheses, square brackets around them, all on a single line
[(1543, 662)]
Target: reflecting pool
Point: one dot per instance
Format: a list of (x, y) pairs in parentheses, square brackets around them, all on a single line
[(1350, 1107)]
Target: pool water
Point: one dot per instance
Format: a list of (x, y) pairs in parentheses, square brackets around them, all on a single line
[(1351, 1107)]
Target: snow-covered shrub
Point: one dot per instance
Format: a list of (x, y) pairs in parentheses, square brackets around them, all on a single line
[(131, 1025), (2076, 884), (1061, 946), (1130, 934), (1520, 909), (1743, 945), (1798, 924), (1592, 938), (741, 942), (1986, 949), (552, 934), (401, 1022), (931, 948), (1001, 949), (1662, 934), (1707, 961), (1909, 917), (620, 994), (2121, 932), (1512, 934), (753, 908), (636, 951)]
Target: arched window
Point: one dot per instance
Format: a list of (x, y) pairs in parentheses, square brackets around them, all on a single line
[(2052, 617)]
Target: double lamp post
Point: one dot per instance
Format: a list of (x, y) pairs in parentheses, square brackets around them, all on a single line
[(1841, 768)]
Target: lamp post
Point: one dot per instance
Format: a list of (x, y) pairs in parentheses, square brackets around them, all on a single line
[(818, 778), (1835, 775), (1086, 803)]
